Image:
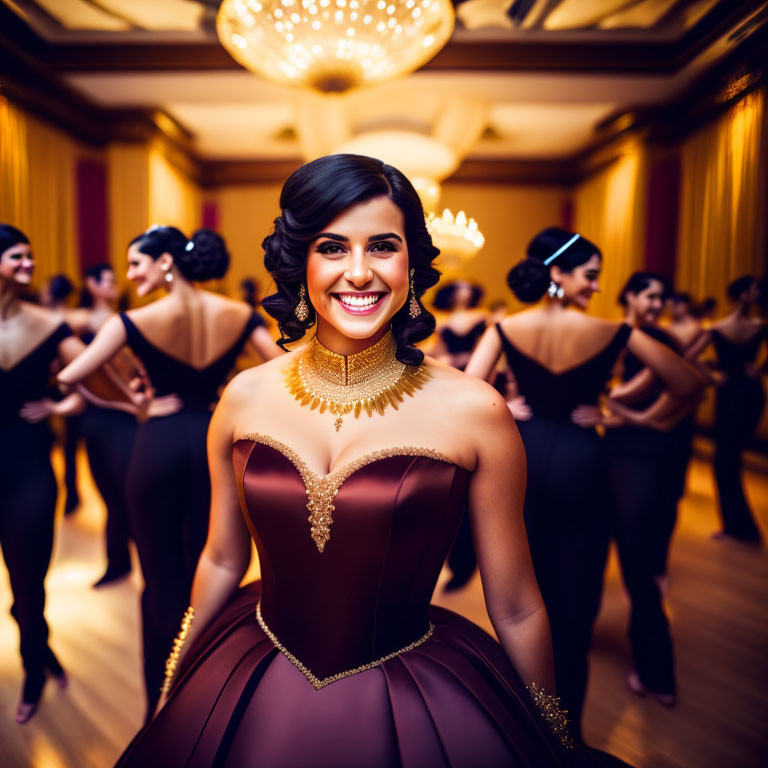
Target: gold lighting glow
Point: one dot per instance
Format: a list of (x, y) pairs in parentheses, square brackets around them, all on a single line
[(334, 45), (455, 236)]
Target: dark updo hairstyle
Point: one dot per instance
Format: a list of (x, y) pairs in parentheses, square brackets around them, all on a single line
[(530, 278), (10, 236), (60, 287), (639, 281), (740, 285), (95, 272), (313, 196), (445, 296), (681, 297), (202, 258)]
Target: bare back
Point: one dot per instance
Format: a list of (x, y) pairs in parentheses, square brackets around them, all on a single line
[(196, 329), (738, 329), (558, 340)]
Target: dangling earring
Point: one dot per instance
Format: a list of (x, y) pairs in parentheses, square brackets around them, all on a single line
[(414, 310), (302, 309), (555, 290), (168, 275)]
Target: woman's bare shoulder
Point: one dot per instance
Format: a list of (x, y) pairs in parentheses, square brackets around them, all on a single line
[(465, 397), (43, 319)]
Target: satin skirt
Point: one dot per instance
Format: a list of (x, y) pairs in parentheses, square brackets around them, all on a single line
[(454, 701)]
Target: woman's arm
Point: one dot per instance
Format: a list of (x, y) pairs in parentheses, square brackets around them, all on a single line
[(680, 378), (485, 356), (635, 389), (227, 552), (108, 342), (694, 350), (264, 344), (496, 494)]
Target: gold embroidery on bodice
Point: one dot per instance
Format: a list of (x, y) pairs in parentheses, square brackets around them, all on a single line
[(317, 682), (322, 489)]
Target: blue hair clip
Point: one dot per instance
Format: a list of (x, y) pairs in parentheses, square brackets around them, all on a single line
[(189, 246), (562, 248)]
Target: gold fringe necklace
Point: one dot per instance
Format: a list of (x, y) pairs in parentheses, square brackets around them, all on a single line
[(366, 381)]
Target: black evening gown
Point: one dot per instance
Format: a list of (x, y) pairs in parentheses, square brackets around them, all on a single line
[(168, 491), (28, 503), (739, 405), (462, 560), (566, 503), (336, 659), (109, 434), (645, 486)]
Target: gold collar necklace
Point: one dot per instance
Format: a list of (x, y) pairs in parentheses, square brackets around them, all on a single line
[(366, 381)]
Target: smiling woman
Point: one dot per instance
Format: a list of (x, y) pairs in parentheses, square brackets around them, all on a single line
[(315, 244), (339, 642)]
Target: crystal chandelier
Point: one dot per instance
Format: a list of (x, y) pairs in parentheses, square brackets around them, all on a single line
[(456, 237), (334, 45)]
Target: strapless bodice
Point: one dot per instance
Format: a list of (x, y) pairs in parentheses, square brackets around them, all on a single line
[(384, 522)]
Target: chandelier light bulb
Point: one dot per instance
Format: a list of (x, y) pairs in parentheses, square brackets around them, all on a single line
[(455, 235), (334, 45)]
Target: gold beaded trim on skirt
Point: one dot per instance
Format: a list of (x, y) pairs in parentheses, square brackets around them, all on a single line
[(317, 682)]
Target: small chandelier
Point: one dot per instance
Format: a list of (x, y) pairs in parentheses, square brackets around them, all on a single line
[(455, 236), (334, 45)]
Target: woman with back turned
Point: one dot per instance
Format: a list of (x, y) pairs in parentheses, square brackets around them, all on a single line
[(188, 342), (562, 360)]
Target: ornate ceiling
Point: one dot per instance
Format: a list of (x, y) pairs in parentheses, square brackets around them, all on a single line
[(537, 77)]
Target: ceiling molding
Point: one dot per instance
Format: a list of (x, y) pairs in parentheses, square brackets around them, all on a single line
[(28, 82), (459, 54), (225, 173)]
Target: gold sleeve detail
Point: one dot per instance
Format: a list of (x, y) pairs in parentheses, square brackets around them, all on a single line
[(549, 708), (173, 660)]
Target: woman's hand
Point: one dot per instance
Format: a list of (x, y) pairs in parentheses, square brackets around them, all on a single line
[(166, 405), (36, 411), (520, 409)]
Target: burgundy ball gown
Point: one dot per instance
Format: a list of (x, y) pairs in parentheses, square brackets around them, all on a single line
[(344, 664)]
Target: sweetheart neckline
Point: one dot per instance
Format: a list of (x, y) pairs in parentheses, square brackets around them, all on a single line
[(321, 490), (348, 468)]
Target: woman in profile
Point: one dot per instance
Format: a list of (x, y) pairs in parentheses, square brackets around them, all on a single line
[(737, 340), (562, 359), (188, 342), (352, 483)]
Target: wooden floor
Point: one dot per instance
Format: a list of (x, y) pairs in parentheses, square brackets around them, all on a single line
[(718, 602)]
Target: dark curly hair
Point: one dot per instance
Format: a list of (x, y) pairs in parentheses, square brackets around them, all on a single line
[(204, 257), (314, 195), (530, 278), (445, 296)]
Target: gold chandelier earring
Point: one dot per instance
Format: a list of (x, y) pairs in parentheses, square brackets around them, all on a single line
[(302, 308), (414, 310)]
